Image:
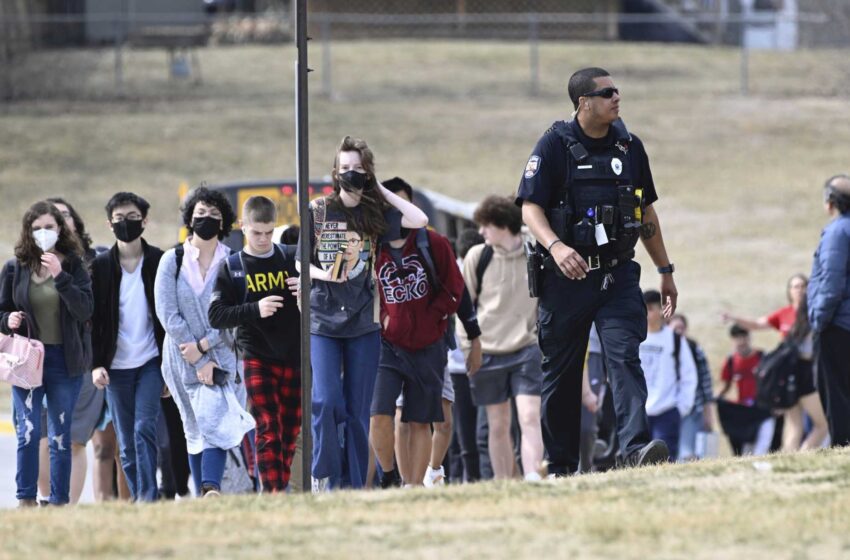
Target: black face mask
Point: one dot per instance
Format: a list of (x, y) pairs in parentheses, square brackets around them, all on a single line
[(207, 227), (127, 230), (353, 181)]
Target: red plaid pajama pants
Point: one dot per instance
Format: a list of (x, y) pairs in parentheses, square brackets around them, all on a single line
[(274, 393)]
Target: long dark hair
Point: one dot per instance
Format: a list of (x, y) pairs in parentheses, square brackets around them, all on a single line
[(28, 253), (801, 327), (79, 225), (370, 222)]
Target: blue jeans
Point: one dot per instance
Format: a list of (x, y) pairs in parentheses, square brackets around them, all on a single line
[(344, 371), (62, 391), (666, 427), (208, 468), (133, 396), (690, 426)]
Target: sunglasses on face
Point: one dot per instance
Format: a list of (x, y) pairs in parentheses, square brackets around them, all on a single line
[(605, 93)]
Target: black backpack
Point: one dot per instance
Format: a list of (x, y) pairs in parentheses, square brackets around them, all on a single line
[(776, 377), (481, 267)]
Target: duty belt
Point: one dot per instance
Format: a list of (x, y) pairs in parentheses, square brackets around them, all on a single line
[(594, 262)]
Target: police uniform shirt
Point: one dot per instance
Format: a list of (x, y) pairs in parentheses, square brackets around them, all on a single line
[(546, 170)]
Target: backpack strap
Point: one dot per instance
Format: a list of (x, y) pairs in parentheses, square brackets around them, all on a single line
[(423, 247), (481, 267), (677, 350), (179, 251), (236, 268)]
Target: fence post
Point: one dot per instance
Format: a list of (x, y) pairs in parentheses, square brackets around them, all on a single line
[(119, 63), (327, 83), (6, 93), (534, 53), (745, 60)]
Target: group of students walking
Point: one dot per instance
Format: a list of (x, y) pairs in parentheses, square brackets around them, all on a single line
[(413, 350)]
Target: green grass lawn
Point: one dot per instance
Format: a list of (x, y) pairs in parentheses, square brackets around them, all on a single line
[(780, 507), (739, 178)]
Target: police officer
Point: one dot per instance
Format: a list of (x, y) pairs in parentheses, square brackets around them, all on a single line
[(587, 195)]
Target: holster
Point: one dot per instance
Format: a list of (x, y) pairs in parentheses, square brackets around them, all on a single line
[(534, 264)]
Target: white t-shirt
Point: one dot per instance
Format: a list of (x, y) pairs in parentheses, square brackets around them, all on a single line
[(136, 343), (659, 368)]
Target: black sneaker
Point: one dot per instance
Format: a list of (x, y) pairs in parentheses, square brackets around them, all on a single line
[(390, 479), (653, 453), (27, 503)]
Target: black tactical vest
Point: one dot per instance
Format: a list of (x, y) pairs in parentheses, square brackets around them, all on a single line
[(598, 191)]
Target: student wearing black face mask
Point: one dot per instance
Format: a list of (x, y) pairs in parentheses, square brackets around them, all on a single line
[(127, 340), (213, 412), (345, 228)]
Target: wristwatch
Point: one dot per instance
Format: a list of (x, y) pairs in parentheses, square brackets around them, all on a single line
[(669, 269)]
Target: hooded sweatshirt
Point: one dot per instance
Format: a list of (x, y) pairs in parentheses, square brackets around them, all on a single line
[(413, 314)]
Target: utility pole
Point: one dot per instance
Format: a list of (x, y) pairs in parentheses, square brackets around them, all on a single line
[(303, 183)]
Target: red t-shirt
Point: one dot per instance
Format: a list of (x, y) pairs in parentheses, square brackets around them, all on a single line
[(782, 319), (742, 373)]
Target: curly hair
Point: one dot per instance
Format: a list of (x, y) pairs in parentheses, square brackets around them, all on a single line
[(79, 225), (371, 221), (209, 197), (499, 211), (28, 253)]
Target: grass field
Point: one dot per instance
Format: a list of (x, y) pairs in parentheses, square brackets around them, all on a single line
[(781, 507), (739, 177)]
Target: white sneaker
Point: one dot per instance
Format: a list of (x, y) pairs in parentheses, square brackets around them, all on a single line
[(533, 477), (434, 477), (320, 485)]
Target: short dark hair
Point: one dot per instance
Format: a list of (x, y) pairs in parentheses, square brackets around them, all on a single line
[(125, 198), (652, 297), (499, 211), (737, 330), (79, 225), (468, 239), (581, 82), (680, 317), (397, 184), (838, 196), (209, 197), (289, 236), (259, 209)]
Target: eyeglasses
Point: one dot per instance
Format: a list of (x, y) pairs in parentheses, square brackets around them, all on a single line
[(605, 93), (117, 218)]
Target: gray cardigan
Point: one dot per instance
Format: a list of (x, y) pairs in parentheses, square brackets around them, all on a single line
[(212, 416)]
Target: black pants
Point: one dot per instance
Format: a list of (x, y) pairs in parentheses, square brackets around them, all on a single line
[(178, 457), (833, 380), (567, 309), (465, 415)]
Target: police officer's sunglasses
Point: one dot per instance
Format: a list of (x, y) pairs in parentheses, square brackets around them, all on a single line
[(605, 93)]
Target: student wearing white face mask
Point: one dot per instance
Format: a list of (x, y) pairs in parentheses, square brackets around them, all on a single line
[(46, 289)]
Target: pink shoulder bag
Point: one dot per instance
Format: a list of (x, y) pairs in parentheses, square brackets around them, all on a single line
[(21, 360)]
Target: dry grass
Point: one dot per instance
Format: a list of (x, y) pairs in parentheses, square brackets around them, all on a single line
[(738, 177), (796, 508)]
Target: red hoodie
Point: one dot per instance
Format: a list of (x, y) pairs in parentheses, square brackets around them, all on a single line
[(417, 316)]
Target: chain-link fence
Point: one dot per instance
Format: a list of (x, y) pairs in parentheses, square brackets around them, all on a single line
[(86, 52)]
